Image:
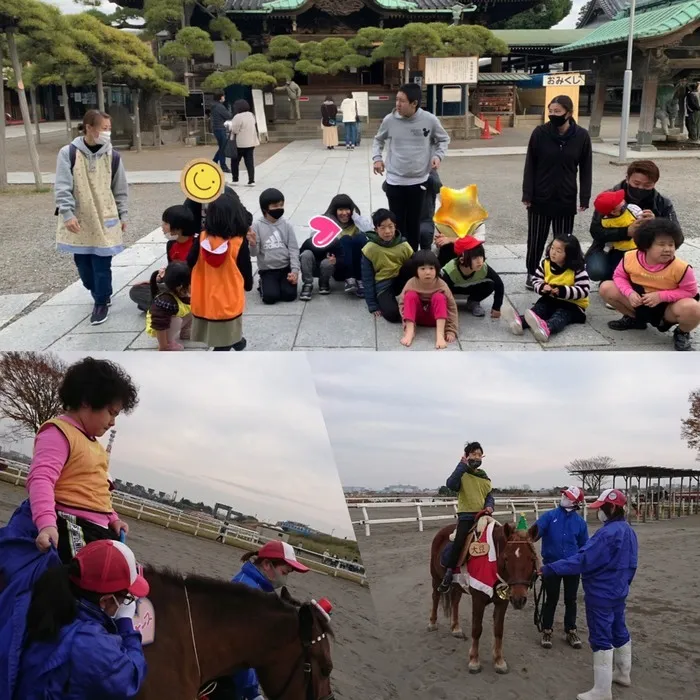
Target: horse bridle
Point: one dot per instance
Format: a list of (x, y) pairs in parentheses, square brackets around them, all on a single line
[(502, 589)]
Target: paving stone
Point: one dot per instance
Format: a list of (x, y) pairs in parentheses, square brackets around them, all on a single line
[(42, 327), (337, 322), (143, 341), (124, 317), (90, 342), (270, 332), (77, 294), (389, 338), (13, 304), (481, 346), (140, 254)]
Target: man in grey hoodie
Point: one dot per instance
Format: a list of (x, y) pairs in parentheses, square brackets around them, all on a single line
[(417, 143)]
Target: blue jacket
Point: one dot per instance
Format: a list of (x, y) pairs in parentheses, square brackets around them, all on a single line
[(246, 680), (607, 563), (562, 533)]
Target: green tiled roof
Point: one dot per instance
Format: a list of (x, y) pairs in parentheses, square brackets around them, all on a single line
[(648, 24), (503, 78), (540, 37)]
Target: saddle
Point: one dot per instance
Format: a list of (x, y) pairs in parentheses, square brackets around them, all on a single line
[(472, 539), (145, 621)]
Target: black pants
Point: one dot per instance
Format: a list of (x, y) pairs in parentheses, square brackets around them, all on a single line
[(558, 313), (74, 533), (464, 525), (476, 292), (601, 264), (552, 586), (386, 300), (407, 204), (446, 253), (248, 155), (274, 286), (538, 226)]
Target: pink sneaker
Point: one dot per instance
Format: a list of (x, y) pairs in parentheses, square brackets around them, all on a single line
[(538, 326), (512, 318)]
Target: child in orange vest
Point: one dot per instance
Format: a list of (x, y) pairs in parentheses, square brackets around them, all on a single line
[(221, 274), (70, 502), (652, 286)]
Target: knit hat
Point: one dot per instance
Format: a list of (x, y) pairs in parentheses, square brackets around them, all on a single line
[(522, 523), (462, 245), (606, 202)]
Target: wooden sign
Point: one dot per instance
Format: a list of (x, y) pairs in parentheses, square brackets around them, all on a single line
[(478, 549)]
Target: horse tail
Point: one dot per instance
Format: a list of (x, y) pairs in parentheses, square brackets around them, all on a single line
[(446, 602)]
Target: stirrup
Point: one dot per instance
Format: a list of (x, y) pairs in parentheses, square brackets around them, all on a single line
[(446, 582)]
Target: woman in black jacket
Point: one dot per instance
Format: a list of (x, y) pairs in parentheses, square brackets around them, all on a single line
[(555, 154)]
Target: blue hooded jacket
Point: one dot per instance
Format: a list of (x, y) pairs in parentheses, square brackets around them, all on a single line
[(246, 680), (562, 533), (607, 563)]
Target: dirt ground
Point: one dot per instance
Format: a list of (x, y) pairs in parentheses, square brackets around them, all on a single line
[(663, 616), (363, 666)]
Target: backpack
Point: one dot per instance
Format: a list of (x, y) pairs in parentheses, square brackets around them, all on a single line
[(73, 154)]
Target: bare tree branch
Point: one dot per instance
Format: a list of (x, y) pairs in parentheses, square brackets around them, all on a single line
[(690, 426), (29, 383), (586, 468)]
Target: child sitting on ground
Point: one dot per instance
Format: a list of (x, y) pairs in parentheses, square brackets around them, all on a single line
[(179, 227), (385, 266), (652, 286), (170, 314), (274, 243), (468, 275), (562, 282), (615, 212), (426, 300)]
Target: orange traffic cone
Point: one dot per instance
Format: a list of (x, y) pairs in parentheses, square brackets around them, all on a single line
[(498, 128), (486, 131)]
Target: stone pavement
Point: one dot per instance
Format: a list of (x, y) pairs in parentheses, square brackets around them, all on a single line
[(309, 177)]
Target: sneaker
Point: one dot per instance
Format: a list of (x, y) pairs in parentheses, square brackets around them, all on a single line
[(360, 291), (234, 182), (681, 340), (627, 323), (251, 184), (513, 319), (324, 287), (538, 326), (546, 641), (240, 345), (572, 639), (528, 283), (225, 169), (306, 291), (446, 582), (350, 285), (99, 314), (476, 309), (109, 301)]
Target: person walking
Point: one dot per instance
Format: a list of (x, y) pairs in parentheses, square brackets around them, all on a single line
[(91, 194), (350, 114), (563, 532), (219, 115), (243, 129), (417, 143), (293, 95), (558, 151), (329, 123), (692, 112)]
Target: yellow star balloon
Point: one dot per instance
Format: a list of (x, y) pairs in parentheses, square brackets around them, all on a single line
[(460, 212)]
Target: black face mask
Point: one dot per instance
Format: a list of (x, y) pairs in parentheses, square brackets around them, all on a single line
[(276, 213), (557, 120), (473, 463), (640, 195)]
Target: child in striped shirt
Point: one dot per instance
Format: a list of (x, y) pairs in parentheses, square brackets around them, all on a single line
[(562, 282)]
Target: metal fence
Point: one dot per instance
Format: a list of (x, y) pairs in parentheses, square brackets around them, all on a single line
[(200, 525)]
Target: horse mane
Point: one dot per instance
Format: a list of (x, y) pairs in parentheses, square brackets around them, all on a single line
[(242, 594)]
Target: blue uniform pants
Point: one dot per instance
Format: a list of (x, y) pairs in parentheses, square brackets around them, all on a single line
[(606, 624)]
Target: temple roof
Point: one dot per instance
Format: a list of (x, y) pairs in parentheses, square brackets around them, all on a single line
[(415, 6), (651, 21), (540, 38)]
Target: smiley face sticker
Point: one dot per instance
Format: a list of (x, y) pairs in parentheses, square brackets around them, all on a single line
[(202, 180)]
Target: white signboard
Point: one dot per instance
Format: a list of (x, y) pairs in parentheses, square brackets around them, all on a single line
[(259, 108), (461, 70), (563, 79), (452, 94), (362, 99)]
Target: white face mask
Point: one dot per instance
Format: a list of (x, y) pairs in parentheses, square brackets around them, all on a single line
[(104, 138), (601, 516), (566, 503), (279, 580)]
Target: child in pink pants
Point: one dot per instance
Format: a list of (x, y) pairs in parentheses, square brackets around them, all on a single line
[(426, 300)]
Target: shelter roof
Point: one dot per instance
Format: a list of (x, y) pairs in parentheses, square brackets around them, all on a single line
[(642, 472), (503, 78), (540, 38)]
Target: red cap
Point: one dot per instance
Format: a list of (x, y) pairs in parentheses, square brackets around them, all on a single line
[(325, 606), (614, 496), (462, 245), (606, 202), (282, 551), (107, 566), (574, 494)]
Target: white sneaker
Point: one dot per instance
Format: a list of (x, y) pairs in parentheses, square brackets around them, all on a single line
[(602, 677), (512, 318), (622, 665)]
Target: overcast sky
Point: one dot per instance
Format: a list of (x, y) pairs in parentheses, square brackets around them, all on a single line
[(243, 429), (404, 418)]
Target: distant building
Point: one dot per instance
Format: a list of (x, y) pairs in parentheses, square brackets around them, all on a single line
[(298, 528), (272, 533)]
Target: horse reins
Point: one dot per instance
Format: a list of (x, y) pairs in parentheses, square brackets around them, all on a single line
[(505, 585), (212, 686)]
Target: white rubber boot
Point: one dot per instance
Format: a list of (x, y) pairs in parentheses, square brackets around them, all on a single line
[(622, 663), (602, 677)]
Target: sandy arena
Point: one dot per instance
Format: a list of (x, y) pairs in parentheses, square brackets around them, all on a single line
[(363, 668), (663, 616)]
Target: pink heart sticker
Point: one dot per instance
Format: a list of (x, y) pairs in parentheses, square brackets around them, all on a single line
[(325, 231)]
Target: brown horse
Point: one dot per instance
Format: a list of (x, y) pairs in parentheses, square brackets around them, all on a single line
[(517, 567), (207, 629)]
